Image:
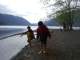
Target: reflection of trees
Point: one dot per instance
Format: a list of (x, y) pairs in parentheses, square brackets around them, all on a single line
[(66, 13)]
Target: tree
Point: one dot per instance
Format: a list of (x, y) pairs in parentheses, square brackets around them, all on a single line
[(65, 12), (67, 9)]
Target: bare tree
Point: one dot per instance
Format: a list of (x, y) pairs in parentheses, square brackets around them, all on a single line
[(65, 11)]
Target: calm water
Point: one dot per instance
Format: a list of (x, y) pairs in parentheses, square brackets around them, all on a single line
[(10, 45), (6, 31)]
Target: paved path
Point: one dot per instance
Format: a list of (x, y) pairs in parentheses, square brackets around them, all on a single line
[(62, 46)]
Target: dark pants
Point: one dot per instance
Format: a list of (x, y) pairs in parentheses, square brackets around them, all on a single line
[(43, 39)]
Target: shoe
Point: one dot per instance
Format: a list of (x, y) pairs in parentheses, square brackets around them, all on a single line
[(27, 55), (44, 51), (40, 52)]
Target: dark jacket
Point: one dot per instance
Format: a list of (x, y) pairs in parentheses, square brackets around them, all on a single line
[(43, 32)]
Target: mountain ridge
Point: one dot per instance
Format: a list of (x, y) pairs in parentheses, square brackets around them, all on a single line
[(6, 19)]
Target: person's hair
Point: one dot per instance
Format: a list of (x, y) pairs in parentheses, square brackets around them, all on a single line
[(28, 27), (40, 23)]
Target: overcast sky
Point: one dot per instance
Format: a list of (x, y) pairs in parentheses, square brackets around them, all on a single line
[(32, 10)]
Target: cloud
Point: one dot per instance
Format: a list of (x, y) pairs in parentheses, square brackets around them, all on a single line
[(4, 10), (29, 9)]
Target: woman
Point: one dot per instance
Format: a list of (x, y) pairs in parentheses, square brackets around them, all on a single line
[(42, 34)]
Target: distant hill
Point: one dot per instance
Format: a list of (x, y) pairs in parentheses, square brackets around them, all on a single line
[(51, 22), (12, 20)]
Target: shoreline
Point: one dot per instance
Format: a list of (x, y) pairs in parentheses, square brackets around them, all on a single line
[(65, 42), (62, 45), (17, 33), (11, 46)]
